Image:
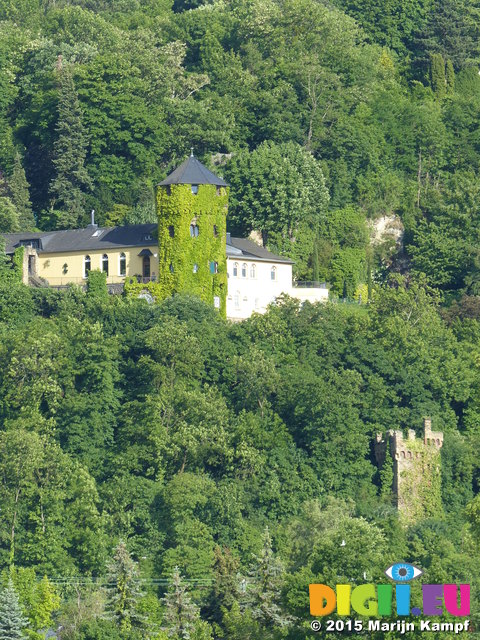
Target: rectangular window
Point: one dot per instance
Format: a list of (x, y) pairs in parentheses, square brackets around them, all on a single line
[(213, 267)]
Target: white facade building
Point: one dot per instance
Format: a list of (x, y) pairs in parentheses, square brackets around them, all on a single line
[(257, 277)]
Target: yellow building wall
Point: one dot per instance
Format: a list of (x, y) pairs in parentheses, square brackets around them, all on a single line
[(65, 268)]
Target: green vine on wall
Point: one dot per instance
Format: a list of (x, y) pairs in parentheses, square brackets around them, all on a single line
[(177, 208), (18, 263), (421, 483)]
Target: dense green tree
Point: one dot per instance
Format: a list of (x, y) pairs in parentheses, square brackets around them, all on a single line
[(437, 75), (9, 216), (278, 191), (18, 188), (71, 181)]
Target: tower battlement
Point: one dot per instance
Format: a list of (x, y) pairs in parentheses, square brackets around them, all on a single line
[(416, 464)]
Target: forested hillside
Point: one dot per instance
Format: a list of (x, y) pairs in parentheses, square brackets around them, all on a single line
[(166, 474), (99, 99), (143, 440)]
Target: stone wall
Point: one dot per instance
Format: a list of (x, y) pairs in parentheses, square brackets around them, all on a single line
[(416, 470)]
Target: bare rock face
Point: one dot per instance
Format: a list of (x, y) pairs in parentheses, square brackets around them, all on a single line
[(256, 236), (387, 229)]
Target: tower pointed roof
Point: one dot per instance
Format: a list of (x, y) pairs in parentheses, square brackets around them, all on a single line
[(192, 171)]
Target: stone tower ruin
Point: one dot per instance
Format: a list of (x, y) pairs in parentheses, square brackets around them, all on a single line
[(416, 470)]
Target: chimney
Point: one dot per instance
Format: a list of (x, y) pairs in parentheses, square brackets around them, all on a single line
[(229, 238), (92, 224)]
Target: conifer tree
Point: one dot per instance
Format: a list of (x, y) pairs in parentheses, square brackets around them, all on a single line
[(71, 181), (264, 593), (225, 589), (12, 620), (19, 194), (437, 74), (123, 590), (181, 613), (450, 77)]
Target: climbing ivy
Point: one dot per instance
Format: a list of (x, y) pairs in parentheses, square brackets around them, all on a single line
[(177, 209), (18, 258), (421, 484)]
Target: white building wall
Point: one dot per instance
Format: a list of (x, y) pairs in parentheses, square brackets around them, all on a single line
[(310, 294), (255, 290)]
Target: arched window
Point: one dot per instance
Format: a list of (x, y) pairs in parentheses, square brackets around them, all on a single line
[(273, 273), (244, 270), (87, 265), (122, 264), (194, 230), (195, 268), (215, 231), (171, 268), (253, 271), (105, 263), (171, 231), (235, 269)]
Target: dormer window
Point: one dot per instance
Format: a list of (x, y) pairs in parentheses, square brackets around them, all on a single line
[(194, 189), (34, 243), (147, 237)]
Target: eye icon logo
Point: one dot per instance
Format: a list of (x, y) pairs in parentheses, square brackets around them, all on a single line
[(403, 572)]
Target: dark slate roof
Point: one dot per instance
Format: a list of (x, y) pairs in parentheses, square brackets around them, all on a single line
[(94, 238), (240, 247), (89, 239), (192, 171)]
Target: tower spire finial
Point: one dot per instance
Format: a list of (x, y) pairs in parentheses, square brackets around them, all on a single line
[(191, 152)]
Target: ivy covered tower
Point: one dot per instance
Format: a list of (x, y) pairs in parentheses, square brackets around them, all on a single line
[(416, 471), (192, 207)]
